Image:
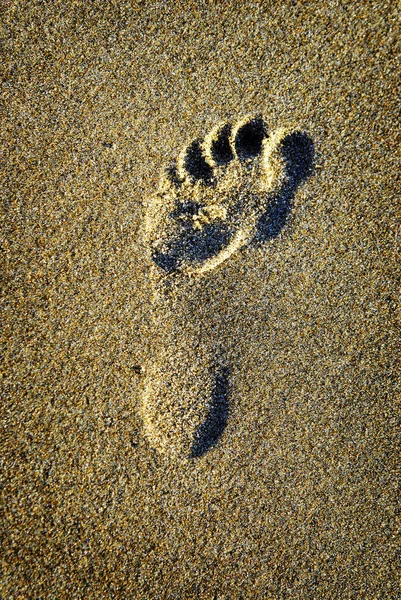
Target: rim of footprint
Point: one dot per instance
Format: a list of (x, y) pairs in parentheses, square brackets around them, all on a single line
[(223, 192)]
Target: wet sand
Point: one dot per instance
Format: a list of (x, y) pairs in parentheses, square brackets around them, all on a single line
[(299, 496)]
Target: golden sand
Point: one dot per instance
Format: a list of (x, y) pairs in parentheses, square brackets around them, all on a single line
[(299, 496)]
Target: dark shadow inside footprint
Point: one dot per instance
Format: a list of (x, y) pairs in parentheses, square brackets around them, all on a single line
[(172, 174), (249, 139), (220, 147), (194, 246), (299, 153), (210, 431), (195, 163)]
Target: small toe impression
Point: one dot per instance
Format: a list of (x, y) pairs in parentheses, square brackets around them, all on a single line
[(220, 148), (172, 174), (249, 139), (195, 163)]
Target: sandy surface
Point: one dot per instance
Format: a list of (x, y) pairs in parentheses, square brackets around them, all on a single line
[(299, 498)]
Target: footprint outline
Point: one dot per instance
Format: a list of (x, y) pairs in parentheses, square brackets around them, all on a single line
[(280, 162)]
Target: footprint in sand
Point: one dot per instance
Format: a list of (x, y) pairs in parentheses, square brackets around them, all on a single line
[(232, 189)]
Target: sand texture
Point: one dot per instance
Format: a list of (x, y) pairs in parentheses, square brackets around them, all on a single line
[(201, 300)]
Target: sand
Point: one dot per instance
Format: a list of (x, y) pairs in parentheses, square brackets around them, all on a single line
[(299, 496)]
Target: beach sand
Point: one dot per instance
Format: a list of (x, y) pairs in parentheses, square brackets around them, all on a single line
[(298, 497)]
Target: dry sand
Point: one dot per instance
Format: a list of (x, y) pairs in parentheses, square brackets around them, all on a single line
[(299, 498)]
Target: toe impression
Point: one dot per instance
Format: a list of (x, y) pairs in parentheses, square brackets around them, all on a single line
[(248, 136)]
